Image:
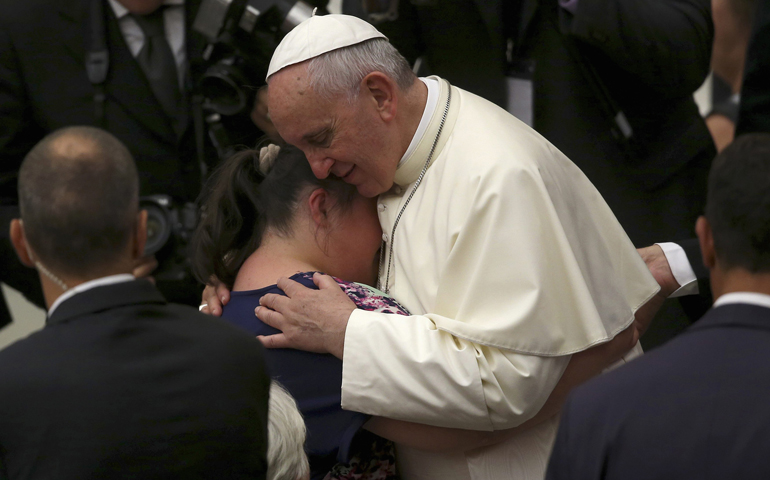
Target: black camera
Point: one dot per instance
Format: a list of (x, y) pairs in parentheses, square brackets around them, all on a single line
[(242, 36), (169, 229)]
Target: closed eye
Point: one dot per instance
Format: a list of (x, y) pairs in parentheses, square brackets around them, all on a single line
[(321, 138), (322, 141)]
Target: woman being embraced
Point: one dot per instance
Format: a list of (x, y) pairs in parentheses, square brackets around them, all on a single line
[(267, 216)]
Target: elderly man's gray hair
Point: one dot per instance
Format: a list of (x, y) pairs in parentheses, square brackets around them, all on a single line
[(340, 71), (286, 431)]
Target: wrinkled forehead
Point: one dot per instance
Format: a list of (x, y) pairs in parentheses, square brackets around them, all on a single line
[(289, 93)]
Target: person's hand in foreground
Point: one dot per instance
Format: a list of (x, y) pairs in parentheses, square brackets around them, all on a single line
[(214, 297), (657, 263), (311, 320)]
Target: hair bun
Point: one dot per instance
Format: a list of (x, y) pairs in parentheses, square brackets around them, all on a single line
[(267, 156)]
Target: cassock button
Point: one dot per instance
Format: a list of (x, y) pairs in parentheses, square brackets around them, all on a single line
[(385, 237), (397, 190), (381, 207)]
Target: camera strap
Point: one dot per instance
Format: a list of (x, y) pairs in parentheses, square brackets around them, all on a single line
[(98, 58)]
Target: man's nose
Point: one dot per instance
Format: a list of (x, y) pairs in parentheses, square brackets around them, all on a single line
[(320, 165)]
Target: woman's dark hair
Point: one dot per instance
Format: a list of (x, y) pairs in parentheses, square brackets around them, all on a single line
[(239, 204)]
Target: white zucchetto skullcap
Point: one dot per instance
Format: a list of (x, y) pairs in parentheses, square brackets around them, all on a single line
[(320, 34)]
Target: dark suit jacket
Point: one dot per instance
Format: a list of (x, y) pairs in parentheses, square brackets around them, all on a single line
[(120, 384), (650, 58), (696, 408)]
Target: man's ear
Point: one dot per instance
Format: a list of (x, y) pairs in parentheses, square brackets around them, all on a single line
[(383, 92), (19, 241), (706, 240), (319, 203), (140, 234)]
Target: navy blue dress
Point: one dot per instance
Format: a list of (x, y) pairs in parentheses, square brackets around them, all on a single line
[(314, 380)]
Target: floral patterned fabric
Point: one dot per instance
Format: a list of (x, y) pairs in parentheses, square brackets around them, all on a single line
[(376, 460), (365, 297)]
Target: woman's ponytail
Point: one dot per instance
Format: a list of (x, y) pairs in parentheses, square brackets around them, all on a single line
[(231, 220)]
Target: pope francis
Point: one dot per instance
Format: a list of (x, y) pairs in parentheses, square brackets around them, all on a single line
[(506, 255)]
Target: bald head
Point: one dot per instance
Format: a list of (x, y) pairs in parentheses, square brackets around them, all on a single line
[(78, 195)]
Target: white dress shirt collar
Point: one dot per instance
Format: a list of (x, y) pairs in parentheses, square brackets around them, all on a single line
[(99, 282), (751, 298)]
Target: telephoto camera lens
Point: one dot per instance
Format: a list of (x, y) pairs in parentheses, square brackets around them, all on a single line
[(158, 226)]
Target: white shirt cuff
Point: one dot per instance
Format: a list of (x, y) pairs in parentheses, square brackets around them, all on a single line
[(681, 268)]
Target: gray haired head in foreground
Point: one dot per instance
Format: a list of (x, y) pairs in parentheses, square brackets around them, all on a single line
[(286, 458)]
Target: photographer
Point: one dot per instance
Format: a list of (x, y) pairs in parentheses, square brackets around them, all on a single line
[(131, 67)]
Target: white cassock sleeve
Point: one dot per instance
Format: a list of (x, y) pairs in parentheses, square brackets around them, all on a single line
[(405, 368)]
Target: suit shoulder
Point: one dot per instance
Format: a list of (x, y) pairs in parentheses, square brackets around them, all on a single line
[(30, 342), (214, 328), (18, 356), (689, 358)]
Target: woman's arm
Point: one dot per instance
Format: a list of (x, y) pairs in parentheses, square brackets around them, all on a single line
[(582, 366)]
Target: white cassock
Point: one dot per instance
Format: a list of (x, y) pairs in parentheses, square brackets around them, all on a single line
[(510, 261)]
